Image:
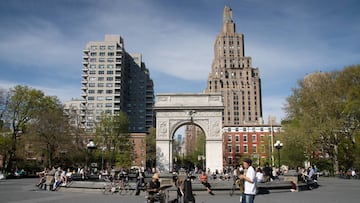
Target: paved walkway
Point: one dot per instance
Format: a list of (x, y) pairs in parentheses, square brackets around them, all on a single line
[(331, 190)]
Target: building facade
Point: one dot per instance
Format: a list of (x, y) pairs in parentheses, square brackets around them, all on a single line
[(250, 141), (113, 81), (233, 76)]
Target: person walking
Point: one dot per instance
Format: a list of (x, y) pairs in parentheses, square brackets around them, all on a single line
[(204, 180), (250, 182), (140, 179)]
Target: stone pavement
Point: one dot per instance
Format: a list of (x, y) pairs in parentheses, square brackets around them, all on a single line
[(331, 190)]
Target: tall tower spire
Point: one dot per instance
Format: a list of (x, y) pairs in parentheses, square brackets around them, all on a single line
[(233, 75), (228, 23)]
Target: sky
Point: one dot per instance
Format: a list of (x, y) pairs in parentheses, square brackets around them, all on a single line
[(42, 41)]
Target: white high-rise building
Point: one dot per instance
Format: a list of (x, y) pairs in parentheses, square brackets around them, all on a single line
[(114, 81)]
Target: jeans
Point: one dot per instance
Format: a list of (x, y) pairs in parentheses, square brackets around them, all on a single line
[(247, 198)]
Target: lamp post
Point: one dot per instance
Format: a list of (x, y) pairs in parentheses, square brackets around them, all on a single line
[(102, 157), (91, 146), (278, 145)]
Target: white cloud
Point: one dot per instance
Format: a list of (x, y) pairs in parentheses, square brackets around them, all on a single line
[(64, 92)]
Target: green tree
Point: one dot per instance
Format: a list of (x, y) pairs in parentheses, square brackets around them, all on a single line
[(322, 118), (50, 131), (151, 147), (112, 132), (20, 109), (3, 102)]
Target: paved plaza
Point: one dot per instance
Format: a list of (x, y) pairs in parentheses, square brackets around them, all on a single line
[(331, 190)]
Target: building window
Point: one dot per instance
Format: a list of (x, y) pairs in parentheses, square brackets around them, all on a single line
[(93, 54), (91, 98), (100, 78), (101, 59), (111, 47), (254, 138), (110, 72), (99, 98), (110, 60), (93, 47), (245, 138), (254, 149), (110, 53), (262, 148), (109, 79), (102, 47), (108, 105), (109, 84), (91, 84), (262, 137), (229, 138), (91, 91), (108, 98), (230, 160), (109, 91), (229, 148), (100, 84), (237, 138), (101, 72), (237, 148), (245, 149)]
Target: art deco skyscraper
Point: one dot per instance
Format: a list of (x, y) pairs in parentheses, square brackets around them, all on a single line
[(232, 75)]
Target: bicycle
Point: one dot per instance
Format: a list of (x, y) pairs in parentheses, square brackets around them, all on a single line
[(124, 187), (110, 187)]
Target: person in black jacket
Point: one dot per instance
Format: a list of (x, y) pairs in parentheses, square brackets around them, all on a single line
[(268, 176), (154, 191), (140, 177)]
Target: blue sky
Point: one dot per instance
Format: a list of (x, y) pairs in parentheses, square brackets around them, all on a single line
[(41, 41)]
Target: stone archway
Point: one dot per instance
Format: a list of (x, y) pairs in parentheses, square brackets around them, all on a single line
[(175, 110)]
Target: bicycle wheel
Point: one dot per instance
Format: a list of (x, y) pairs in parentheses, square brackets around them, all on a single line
[(106, 190)]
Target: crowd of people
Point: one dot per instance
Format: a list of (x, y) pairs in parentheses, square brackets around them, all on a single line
[(52, 178), (245, 176)]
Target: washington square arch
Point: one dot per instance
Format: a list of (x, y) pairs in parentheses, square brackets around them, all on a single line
[(176, 110)]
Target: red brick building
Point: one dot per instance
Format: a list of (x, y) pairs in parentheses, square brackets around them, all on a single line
[(139, 143), (250, 141)]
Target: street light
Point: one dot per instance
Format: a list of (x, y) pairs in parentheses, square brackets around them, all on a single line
[(278, 145), (91, 146), (102, 157)]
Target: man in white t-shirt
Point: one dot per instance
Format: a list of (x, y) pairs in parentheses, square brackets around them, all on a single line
[(250, 182)]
